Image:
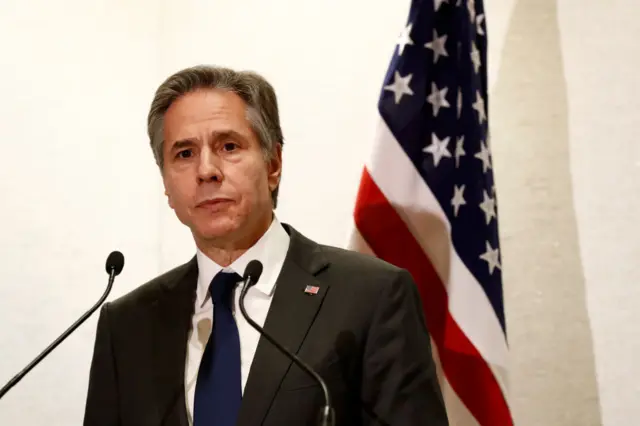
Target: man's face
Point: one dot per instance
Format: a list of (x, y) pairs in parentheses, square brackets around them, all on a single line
[(214, 172)]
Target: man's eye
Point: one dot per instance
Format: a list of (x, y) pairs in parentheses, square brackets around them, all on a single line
[(184, 154), (229, 146)]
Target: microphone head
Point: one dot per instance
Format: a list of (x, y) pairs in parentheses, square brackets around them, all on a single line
[(115, 262), (253, 271)]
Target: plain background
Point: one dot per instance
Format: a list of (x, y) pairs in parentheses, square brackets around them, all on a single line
[(77, 178)]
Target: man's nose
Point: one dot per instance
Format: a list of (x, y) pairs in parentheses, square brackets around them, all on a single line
[(209, 169)]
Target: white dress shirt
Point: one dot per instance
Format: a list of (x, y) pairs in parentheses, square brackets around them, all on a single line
[(271, 250)]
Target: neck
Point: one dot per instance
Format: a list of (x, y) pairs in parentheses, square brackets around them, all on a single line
[(224, 251)]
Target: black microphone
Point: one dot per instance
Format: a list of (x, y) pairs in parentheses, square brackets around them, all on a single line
[(115, 263), (251, 276)]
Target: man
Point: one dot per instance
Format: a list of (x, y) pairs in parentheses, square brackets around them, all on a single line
[(177, 351)]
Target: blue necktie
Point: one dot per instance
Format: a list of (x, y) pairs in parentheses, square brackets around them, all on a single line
[(219, 385)]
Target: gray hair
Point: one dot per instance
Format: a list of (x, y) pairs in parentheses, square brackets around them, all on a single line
[(255, 91)]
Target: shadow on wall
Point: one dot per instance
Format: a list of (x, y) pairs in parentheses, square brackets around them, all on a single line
[(552, 371)]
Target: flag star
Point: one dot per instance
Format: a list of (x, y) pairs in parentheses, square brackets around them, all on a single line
[(458, 199), (438, 46), (438, 3), (471, 6), (475, 57), (479, 21), (491, 256), (438, 98), (459, 150), (488, 206), (459, 102), (438, 148), (404, 39), (484, 156), (478, 105), (400, 86)]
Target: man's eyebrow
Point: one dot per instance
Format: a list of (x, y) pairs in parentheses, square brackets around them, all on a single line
[(182, 143), (224, 134)]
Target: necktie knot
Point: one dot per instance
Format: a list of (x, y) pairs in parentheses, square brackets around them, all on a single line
[(222, 286)]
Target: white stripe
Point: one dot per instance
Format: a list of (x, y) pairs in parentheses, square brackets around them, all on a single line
[(395, 175)]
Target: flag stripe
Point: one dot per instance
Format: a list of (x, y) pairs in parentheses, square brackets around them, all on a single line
[(466, 371), (403, 187), (457, 413)]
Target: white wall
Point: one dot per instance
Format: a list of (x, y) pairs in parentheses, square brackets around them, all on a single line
[(75, 78), (77, 178), (564, 110), (601, 58)]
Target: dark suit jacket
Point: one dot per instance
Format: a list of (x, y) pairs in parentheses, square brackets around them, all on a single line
[(364, 333)]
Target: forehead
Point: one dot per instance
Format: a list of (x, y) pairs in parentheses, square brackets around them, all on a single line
[(203, 111)]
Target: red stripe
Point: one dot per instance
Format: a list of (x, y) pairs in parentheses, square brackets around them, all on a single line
[(468, 374)]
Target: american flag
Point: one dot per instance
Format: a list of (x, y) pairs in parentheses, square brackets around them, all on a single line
[(311, 289), (427, 201)]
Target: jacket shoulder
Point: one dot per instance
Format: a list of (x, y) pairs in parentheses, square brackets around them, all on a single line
[(339, 262), (364, 267), (152, 289)]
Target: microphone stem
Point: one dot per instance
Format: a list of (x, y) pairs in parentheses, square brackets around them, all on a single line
[(14, 381), (326, 418)]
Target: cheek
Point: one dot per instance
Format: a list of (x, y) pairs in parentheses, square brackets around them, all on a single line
[(260, 185), (250, 180), (251, 193), (177, 193)]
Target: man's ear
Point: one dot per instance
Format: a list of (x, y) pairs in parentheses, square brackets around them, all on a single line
[(167, 193), (275, 167), (169, 199)]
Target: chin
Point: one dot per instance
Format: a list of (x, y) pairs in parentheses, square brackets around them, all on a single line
[(217, 230)]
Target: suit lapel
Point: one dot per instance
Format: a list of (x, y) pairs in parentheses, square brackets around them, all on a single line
[(172, 319), (291, 314)]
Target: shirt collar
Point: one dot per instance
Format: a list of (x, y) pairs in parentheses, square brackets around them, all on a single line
[(270, 250)]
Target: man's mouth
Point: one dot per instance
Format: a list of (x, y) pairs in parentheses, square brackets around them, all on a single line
[(214, 203)]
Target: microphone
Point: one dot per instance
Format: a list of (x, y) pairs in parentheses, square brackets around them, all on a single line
[(114, 265), (251, 276)]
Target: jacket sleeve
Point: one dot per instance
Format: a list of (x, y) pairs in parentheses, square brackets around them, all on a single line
[(101, 407), (400, 385)]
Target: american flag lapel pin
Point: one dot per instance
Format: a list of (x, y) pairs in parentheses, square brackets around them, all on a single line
[(311, 289)]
